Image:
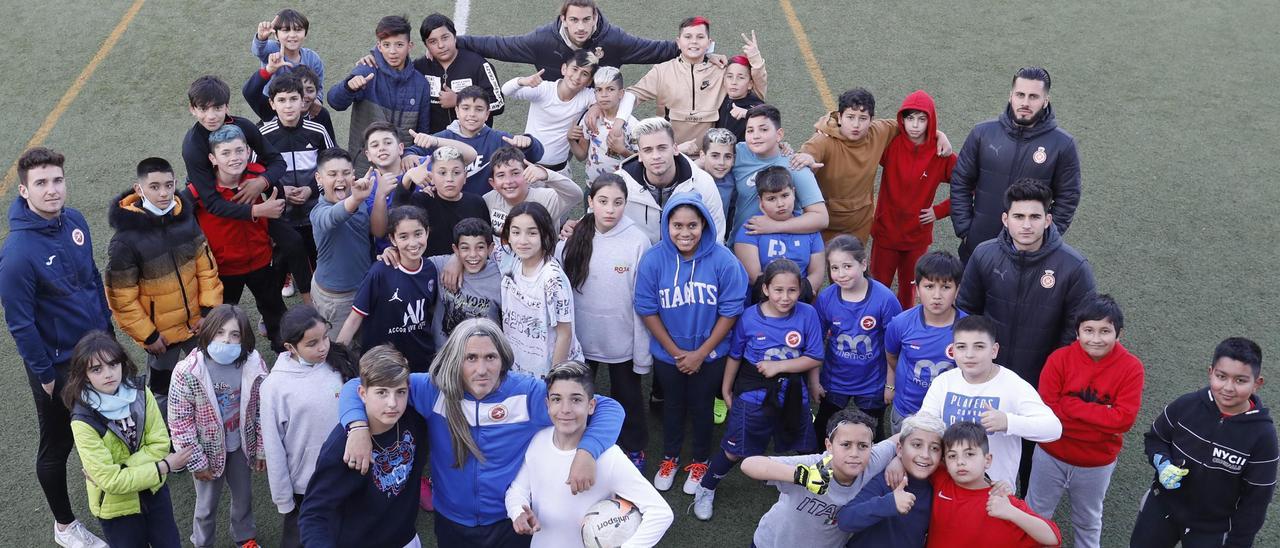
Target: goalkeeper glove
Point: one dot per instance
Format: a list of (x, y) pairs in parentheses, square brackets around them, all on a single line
[(814, 477), (1170, 476)]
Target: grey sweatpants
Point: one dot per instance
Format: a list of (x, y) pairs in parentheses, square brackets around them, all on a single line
[(204, 527), (334, 306), (1085, 487)]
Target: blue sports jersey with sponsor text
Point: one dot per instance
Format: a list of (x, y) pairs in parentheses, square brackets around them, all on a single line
[(855, 364), (923, 351)]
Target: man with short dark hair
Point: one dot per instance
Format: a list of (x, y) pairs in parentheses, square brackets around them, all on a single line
[(52, 295), (580, 25), (1029, 284), (1023, 142)]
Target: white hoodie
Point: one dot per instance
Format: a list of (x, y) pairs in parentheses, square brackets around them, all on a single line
[(299, 411), (645, 211), (608, 327)]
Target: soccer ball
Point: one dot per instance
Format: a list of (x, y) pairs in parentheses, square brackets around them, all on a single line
[(609, 523)]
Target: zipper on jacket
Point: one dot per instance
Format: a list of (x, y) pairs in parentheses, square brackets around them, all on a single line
[(182, 289), (693, 91)]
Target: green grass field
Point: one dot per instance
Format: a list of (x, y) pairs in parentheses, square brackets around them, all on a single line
[(1171, 103)]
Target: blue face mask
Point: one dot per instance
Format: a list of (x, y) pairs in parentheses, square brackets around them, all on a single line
[(223, 353)]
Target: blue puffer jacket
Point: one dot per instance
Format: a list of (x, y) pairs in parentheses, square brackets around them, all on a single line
[(50, 286), (546, 49)]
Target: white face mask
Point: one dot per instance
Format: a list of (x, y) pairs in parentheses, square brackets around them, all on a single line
[(147, 205)]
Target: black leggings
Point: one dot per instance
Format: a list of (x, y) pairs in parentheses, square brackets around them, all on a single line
[(55, 444), (625, 386)]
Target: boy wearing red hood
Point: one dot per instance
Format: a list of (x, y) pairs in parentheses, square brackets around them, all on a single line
[(844, 154), (903, 227)]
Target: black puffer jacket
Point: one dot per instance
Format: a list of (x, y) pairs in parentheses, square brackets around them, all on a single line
[(1031, 297), (999, 152), (545, 48)]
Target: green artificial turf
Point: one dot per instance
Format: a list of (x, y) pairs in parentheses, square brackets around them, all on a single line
[(1172, 104)]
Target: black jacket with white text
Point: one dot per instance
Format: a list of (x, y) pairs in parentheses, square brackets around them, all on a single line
[(1232, 463)]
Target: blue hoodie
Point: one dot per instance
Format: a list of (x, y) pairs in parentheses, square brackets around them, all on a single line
[(50, 287), (475, 494), (400, 97), (689, 295), (486, 142)]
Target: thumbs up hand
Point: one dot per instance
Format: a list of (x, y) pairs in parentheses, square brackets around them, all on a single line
[(903, 499), (994, 420)]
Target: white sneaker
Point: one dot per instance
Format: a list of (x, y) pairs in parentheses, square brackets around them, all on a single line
[(76, 535), (703, 499), (666, 474), (288, 290), (696, 470)]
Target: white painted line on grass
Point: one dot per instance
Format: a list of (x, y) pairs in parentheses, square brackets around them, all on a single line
[(461, 11)]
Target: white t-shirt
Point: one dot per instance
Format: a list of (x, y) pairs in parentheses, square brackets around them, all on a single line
[(532, 306), (549, 117), (801, 519), (953, 399), (541, 484)]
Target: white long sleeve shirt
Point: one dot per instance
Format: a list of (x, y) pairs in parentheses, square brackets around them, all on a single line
[(541, 485), (954, 399)]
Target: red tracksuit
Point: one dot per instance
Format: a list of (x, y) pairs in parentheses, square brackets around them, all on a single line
[(908, 184)]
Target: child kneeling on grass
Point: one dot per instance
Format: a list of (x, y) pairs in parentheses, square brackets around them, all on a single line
[(344, 507), (898, 515), (123, 445), (812, 487), (970, 510), (540, 502)]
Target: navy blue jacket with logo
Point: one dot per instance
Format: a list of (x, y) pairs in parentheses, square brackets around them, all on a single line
[(999, 152), (545, 48), (1232, 464), (50, 286), (1030, 296)]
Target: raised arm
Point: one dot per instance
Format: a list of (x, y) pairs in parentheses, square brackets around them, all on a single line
[(513, 49)]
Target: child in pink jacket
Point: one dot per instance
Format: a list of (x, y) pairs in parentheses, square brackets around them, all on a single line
[(213, 407)]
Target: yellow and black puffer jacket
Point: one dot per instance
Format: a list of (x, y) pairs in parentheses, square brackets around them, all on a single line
[(161, 277)]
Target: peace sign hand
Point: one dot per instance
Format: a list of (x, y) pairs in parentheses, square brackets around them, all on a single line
[(750, 46)]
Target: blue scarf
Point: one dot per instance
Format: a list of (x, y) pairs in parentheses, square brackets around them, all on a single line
[(112, 406)]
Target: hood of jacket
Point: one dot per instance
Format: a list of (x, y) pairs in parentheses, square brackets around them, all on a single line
[(602, 25), (1045, 121), (21, 218), (1052, 241), (126, 212), (706, 245), (384, 69), (1258, 413), (922, 101), (624, 223), (288, 364)]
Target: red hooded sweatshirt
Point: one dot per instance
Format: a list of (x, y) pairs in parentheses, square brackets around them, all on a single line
[(909, 182), (1092, 432)]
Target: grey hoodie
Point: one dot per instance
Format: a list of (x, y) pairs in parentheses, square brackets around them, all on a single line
[(608, 327), (299, 411)]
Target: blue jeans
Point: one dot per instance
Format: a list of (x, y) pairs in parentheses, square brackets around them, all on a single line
[(154, 526), (688, 395)]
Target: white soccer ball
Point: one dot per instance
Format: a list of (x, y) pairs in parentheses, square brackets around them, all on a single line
[(609, 523)]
